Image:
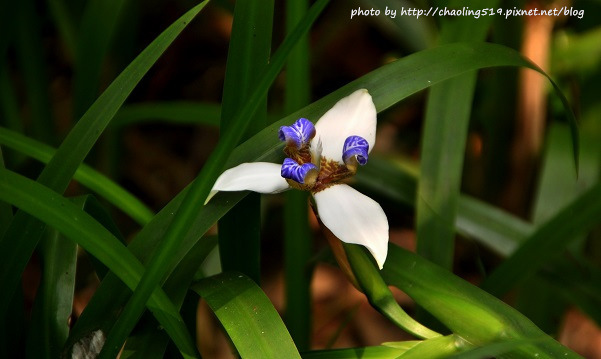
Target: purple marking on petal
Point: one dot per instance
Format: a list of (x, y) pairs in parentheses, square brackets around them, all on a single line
[(356, 146), (299, 134), (294, 171)]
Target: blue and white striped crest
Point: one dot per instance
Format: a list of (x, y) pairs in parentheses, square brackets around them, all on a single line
[(299, 134), (355, 146), (298, 173)]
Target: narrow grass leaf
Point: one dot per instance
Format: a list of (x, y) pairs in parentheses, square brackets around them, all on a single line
[(248, 57), (17, 244), (81, 228), (87, 176), (247, 315), (466, 310), (53, 305)]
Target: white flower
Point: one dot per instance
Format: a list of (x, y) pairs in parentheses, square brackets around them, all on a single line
[(319, 158)]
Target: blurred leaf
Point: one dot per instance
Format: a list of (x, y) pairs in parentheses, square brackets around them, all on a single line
[(557, 187), (176, 112), (32, 63), (64, 23), (547, 241), (86, 175), (98, 24), (577, 52), (17, 245), (474, 315), (489, 225), (8, 101), (50, 319), (81, 228), (6, 211), (442, 151), (247, 315), (414, 33)]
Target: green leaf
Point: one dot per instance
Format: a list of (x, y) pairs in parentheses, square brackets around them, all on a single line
[(17, 245), (86, 175), (49, 325), (469, 312), (495, 349), (378, 293), (247, 315), (439, 347), (375, 352), (81, 228)]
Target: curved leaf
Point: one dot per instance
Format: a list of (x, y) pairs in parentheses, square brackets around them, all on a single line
[(466, 310), (88, 177), (247, 315), (17, 245), (62, 214)]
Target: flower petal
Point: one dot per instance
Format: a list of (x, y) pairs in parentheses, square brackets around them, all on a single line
[(354, 115), (262, 177), (354, 218)]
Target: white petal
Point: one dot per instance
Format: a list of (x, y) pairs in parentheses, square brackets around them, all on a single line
[(354, 218), (352, 115), (262, 177)]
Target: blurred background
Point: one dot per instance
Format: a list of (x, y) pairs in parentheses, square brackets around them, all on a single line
[(518, 154)]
